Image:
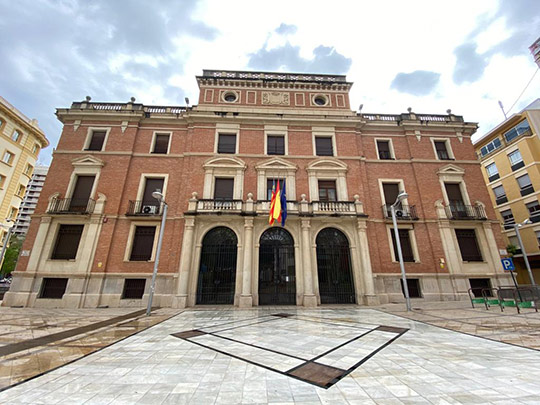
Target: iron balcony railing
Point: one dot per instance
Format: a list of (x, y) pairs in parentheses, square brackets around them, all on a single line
[(71, 206), (144, 208), (405, 212), (469, 212), (219, 205)]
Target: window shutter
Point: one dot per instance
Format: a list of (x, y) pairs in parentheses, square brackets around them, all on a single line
[(327, 190), (143, 242), (275, 145), (468, 245), (81, 193), (391, 191), (151, 186), (323, 146), (227, 143), (454, 193), (96, 143), (161, 144), (67, 242), (224, 189), (406, 248), (384, 149)]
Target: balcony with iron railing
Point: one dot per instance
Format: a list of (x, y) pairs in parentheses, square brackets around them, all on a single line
[(403, 213), (71, 206), (465, 212), (144, 208)]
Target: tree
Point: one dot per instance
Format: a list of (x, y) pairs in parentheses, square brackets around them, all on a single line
[(11, 255)]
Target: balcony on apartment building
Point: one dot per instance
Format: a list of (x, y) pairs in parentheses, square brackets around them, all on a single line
[(403, 213), (465, 212), (71, 206)]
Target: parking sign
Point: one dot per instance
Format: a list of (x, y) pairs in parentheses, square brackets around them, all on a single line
[(508, 264)]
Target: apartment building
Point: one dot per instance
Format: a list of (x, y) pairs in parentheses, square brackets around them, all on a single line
[(510, 157), (30, 200), (21, 140), (94, 238)]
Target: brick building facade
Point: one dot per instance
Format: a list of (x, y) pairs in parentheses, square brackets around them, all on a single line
[(93, 239)]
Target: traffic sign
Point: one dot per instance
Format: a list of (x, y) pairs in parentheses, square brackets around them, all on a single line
[(508, 264)]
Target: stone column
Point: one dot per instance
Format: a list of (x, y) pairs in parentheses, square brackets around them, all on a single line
[(180, 301), (246, 299), (367, 275), (310, 300)]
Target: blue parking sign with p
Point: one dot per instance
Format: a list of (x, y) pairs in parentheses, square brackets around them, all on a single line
[(508, 264)]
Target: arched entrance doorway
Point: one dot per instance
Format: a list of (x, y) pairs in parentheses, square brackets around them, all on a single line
[(277, 279), (217, 271), (334, 268)]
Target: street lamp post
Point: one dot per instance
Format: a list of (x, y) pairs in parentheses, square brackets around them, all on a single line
[(525, 259), (158, 196), (8, 237), (402, 196)]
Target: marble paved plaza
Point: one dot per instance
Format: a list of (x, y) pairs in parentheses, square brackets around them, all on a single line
[(291, 355)]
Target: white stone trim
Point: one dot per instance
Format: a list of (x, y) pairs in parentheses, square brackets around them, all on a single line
[(324, 132), (327, 168), (88, 139), (154, 136), (390, 146), (276, 130), (224, 166), (448, 145)]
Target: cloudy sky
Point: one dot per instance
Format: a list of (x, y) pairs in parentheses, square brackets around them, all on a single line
[(428, 55)]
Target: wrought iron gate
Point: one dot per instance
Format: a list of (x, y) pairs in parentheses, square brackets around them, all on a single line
[(277, 279), (217, 271), (334, 268)]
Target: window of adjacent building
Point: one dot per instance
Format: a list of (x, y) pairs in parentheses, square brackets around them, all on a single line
[(508, 218), (534, 210), (384, 150), (8, 157), (413, 285), (53, 288), (442, 150), (490, 147), (270, 184), (13, 213), (516, 161), (16, 136), (226, 143), (21, 190), (492, 172), (133, 288), (525, 185), (35, 149), (468, 245), (81, 193), (161, 143), (327, 190), (522, 128), (538, 237), (223, 189), (143, 243), (323, 146), (2, 181), (29, 169), (67, 242), (275, 145), (405, 242), (97, 138), (500, 195)]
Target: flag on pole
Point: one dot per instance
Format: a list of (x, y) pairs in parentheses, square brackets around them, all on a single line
[(275, 205), (283, 204)]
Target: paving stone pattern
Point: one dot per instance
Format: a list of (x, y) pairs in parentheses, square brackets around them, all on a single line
[(425, 365)]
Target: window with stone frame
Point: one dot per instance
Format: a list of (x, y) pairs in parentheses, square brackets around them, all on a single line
[(384, 151), (323, 146), (161, 143), (143, 243), (442, 150), (226, 143), (67, 242), (97, 138), (327, 190), (275, 145), (405, 242), (468, 245)]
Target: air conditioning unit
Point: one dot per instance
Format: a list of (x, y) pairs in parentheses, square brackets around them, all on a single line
[(150, 209)]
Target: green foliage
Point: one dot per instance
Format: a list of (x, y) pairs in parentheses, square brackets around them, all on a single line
[(511, 249), (11, 256)]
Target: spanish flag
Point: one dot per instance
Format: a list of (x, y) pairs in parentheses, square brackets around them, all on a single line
[(275, 205)]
